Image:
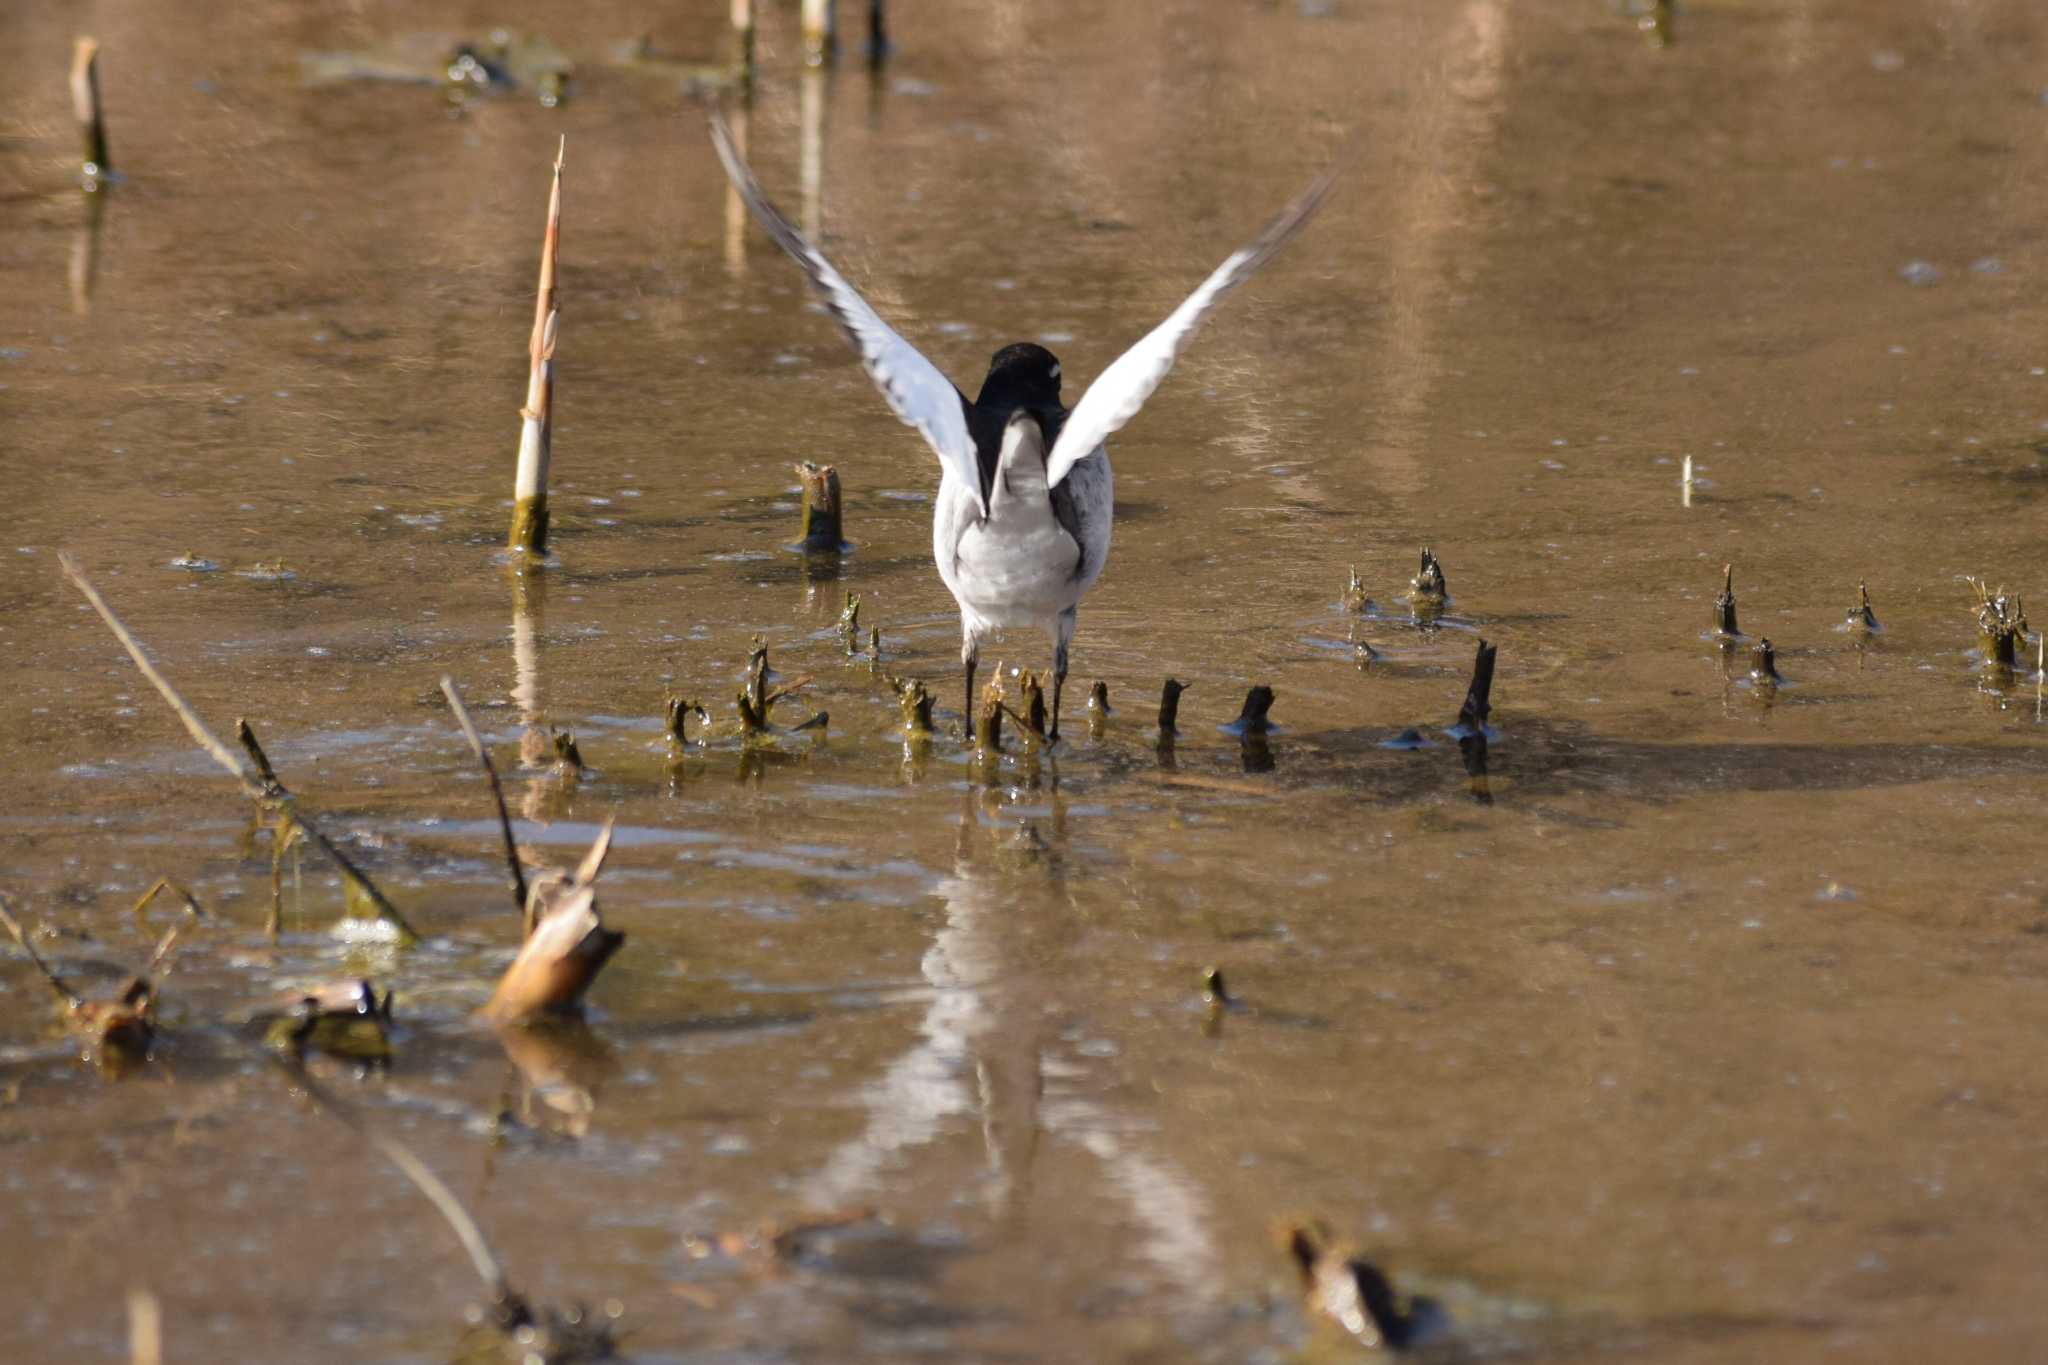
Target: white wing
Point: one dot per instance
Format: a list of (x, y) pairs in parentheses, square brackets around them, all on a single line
[(915, 389), (1119, 391)]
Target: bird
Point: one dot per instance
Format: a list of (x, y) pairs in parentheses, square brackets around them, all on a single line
[(1021, 523)]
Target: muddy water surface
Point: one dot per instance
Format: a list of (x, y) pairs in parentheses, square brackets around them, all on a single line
[(1706, 1031)]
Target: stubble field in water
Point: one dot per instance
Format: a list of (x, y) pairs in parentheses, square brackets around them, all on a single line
[(1712, 1035)]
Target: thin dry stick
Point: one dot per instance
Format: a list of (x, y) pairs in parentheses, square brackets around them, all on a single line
[(57, 983), (476, 745), (536, 432), (432, 1186), (273, 791), (145, 1329), (85, 104)]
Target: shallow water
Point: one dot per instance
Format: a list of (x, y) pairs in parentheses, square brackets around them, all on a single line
[(1707, 1036)]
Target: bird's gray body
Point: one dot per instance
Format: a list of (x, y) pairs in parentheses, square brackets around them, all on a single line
[(1039, 550)]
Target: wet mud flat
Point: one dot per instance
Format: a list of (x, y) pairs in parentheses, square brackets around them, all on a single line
[(1700, 1026)]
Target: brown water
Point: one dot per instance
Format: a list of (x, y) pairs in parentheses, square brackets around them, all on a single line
[(1711, 1036)]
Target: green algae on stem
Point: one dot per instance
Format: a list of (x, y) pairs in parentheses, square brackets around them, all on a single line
[(483, 756), (849, 623), (267, 791), (2001, 624), (96, 166), (676, 714), (916, 703), (361, 896), (529, 533)]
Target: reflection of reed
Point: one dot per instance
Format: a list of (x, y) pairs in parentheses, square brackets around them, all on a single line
[(544, 797), (812, 153), (735, 207), (85, 251), (984, 1049), (1459, 122)]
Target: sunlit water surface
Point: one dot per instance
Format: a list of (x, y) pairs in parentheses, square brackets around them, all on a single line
[(1707, 1029)]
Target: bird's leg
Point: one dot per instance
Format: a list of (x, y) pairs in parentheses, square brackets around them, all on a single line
[(969, 655), (1063, 631)]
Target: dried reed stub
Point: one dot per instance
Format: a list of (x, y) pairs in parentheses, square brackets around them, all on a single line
[(2001, 625), (1724, 608), (116, 1030), (1427, 588), (1478, 703), (344, 1019), (1355, 597), (529, 533), (743, 43), (676, 715), (760, 691), (1763, 667), (1861, 620), (1356, 1295), (1252, 718), (96, 166), (566, 944), (917, 706), (1169, 705), (1098, 699), (849, 624), (988, 717), (823, 524)]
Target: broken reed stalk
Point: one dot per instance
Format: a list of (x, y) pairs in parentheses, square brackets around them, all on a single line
[(988, 720), (822, 522), (566, 944), (476, 746), (1724, 605), (2001, 624), (1763, 665), (849, 624), (1478, 703), (85, 104), (821, 40), (1031, 718), (743, 42), (1862, 619), (1169, 705), (677, 713), (1252, 719), (917, 706), (145, 1328), (529, 533), (1428, 583), (267, 790)]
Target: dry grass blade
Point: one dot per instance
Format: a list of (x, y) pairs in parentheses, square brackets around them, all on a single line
[(476, 745), (58, 984), (444, 1200), (258, 789)]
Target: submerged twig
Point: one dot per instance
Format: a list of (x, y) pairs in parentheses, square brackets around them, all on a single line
[(266, 790), (529, 534), (483, 756)]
